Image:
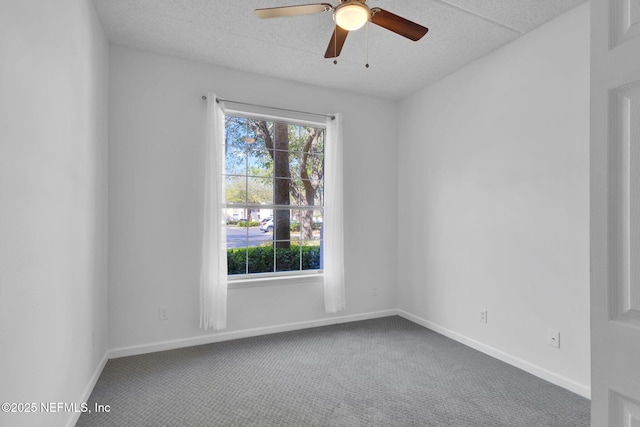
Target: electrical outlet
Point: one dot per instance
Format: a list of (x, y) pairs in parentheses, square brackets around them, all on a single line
[(553, 338), (163, 313), (483, 316)]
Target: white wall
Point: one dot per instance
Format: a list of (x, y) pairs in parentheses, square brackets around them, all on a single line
[(493, 192), (155, 191), (53, 135)]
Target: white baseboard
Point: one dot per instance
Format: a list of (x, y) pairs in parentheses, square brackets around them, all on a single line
[(244, 333), (88, 389), (538, 371)]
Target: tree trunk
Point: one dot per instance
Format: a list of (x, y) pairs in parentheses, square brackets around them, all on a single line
[(282, 219), (278, 147), (306, 222)]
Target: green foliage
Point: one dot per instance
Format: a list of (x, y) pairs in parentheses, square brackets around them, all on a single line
[(248, 224), (260, 259), (243, 223), (295, 226)]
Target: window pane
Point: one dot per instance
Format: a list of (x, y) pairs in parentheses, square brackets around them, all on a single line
[(294, 226), (288, 258), (260, 190), (235, 160), (310, 224), (260, 162), (280, 152), (236, 189), (260, 258), (313, 164), (297, 193), (282, 224), (281, 168), (318, 221), (295, 160), (237, 261), (288, 189), (253, 215), (317, 144), (311, 255), (237, 228), (312, 192)]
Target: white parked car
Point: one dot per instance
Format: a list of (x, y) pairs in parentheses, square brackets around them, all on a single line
[(266, 225)]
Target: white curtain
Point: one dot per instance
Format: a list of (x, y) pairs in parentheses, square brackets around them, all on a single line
[(333, 230), (213, 272)]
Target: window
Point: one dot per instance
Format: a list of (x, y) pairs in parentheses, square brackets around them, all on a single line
[(274, 188)]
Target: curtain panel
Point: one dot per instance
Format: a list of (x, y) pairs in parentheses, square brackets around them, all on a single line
[(334, 285), (213, 272)]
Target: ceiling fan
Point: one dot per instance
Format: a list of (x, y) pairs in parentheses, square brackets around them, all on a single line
[(349, 15)]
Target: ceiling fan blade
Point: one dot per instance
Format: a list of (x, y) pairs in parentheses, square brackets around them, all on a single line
[(398, 24), (303, 9), (337, 41)]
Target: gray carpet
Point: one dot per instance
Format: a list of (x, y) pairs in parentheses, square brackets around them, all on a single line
[(382, 372)]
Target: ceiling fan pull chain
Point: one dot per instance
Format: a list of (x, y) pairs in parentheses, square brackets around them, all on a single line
[(367, 37), (335, 45)]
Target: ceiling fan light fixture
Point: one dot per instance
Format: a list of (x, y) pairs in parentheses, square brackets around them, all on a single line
[(351, 16)]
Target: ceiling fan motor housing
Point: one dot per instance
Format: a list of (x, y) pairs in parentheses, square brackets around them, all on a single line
[(351, 14)]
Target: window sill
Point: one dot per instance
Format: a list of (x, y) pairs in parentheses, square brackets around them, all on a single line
[(292, 279)]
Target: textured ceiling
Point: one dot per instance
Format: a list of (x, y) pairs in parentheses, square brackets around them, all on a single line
[(228, 34)]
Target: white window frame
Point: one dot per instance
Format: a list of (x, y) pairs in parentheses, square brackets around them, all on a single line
[(236, 281)]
